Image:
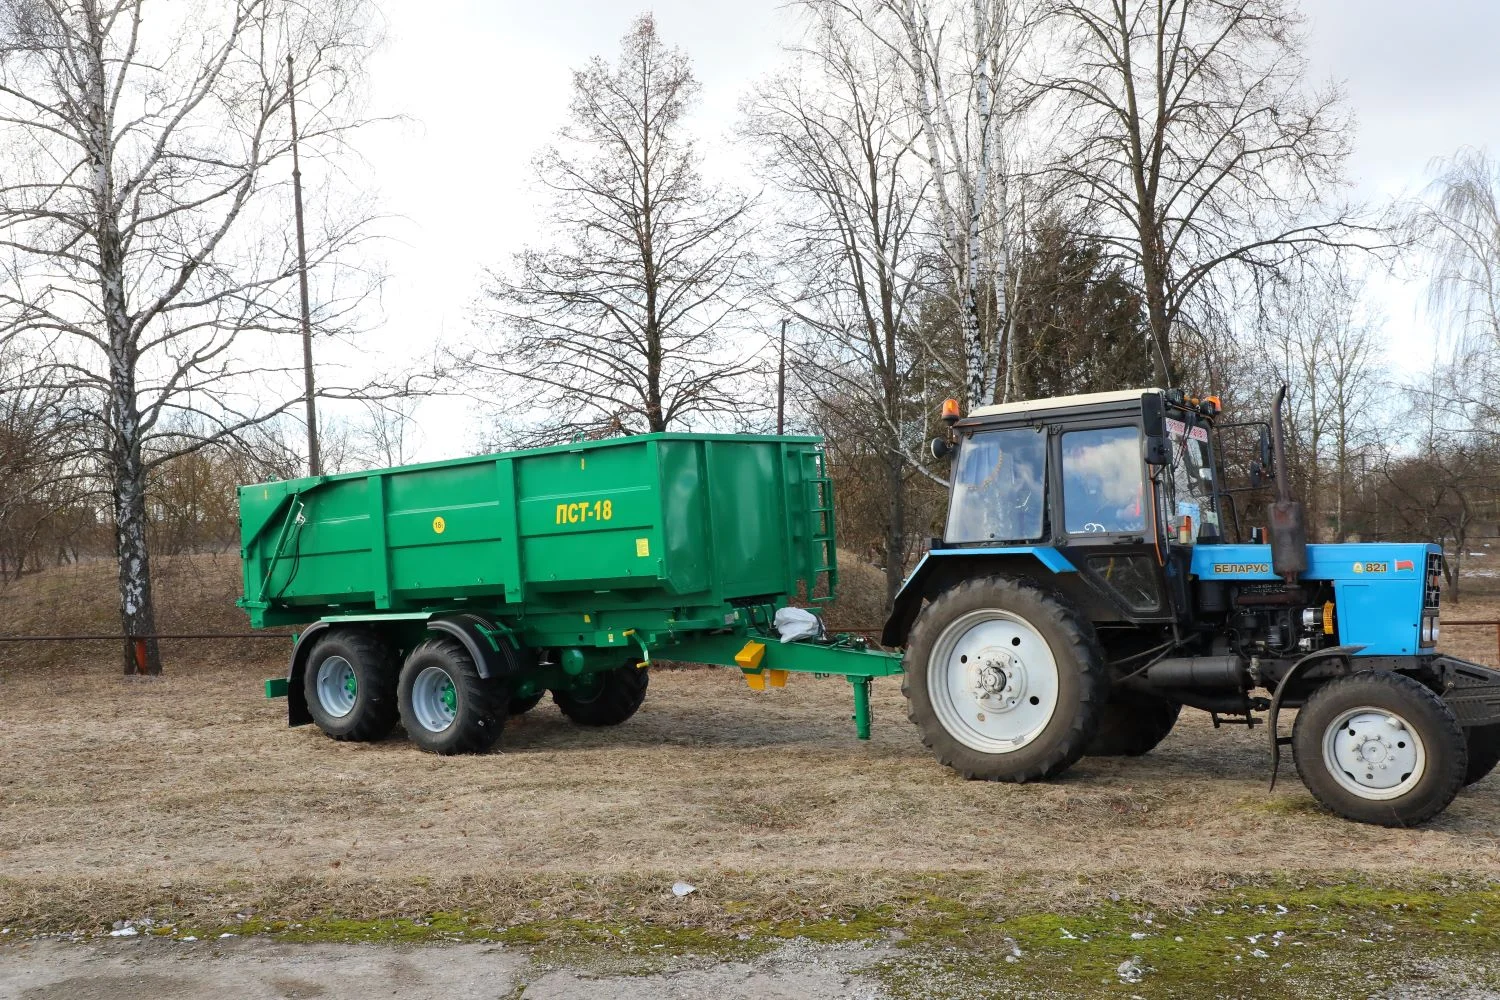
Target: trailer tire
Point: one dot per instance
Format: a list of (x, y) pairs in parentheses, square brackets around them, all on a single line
[(1133, 723), (615, 698), (1352, 725), (349, 683), (520, 706), (1056, 677), (446, 707), (1484, 751)]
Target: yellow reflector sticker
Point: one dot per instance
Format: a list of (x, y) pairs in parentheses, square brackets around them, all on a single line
[(643, 547), (439, 525)]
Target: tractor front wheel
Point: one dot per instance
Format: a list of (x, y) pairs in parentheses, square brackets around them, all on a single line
[(1004, 680), (1380, 747)]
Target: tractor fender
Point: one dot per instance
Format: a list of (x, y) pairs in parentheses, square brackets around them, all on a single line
[(296, 699), (1277, 741), (494, 658), (943, 568)]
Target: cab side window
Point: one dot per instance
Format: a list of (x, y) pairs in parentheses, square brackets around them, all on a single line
[(1103, 487)]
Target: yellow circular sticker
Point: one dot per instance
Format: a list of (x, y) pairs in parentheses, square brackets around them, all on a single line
[(438, 524)]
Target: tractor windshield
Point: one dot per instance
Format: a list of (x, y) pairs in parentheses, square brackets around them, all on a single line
[(1191, 489), (999, 487)]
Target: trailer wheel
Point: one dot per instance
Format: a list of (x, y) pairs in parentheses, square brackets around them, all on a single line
[(446, 707), (349, 683), (1005, 682), (1380, 747), (520, 706), (1133, 723), (1484, 751), (607, 698)]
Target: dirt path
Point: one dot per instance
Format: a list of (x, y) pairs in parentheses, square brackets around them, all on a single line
[(260, 969), (256, 969)]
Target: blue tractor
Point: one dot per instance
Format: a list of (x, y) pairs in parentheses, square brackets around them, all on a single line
[(1094, 577)]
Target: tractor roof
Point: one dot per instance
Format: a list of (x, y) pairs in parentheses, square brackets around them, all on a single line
[(1083, 401)]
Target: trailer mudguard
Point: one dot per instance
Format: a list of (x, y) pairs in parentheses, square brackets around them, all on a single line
[(494, 650), (941, 568), (296, 699)]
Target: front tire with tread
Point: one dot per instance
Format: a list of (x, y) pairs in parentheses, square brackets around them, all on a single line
[(1445, 758)]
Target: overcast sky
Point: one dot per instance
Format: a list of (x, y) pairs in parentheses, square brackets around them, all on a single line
[(485, 84)]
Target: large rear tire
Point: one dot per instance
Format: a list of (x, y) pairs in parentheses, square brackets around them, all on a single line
[(1004, 680), (1133, 723), (349, 684), (1484, 751), (446, 707), (607, 698), (1380, 747)]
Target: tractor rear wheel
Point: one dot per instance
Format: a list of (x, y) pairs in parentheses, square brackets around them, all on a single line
[(1005, 681), (1134, 722), (1484, 751), (349, 683), (446, 707), (1380, 747), (606, 698)]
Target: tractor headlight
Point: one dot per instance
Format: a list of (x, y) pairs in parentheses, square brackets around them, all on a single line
[(1430, 631)]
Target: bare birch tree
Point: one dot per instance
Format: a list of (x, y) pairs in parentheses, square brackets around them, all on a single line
[(838, 142), (626, 321), (1188, 131), (145, 238), (1458, 223), (960, 62)]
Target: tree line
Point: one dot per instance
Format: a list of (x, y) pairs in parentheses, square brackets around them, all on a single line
[(985, 199)]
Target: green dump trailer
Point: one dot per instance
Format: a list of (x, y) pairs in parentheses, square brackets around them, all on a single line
[(451, 595)]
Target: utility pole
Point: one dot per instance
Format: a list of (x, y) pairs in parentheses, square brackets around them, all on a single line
[(781, 383), (314, 465)]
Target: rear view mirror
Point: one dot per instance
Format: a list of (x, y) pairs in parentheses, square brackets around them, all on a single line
[(1264, 448), (1153, 416), (940, 448), (1157, 450)]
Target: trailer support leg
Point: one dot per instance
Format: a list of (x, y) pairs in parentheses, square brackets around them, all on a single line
[(861, 706)]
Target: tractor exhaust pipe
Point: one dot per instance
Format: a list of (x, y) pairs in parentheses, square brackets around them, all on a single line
[(1288, 525)]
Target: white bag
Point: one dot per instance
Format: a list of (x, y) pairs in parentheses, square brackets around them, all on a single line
[(798, 623)]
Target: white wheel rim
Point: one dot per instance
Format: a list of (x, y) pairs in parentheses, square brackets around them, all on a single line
[(337, 686), (1374, 753), (993, 681), (434, 699)]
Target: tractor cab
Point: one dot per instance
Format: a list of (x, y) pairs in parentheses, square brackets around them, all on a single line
[(1121, 485)]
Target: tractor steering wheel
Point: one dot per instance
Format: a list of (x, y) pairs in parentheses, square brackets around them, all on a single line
[(1094, 527)]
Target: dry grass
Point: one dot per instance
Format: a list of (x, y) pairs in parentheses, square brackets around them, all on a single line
[(119, 793)]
